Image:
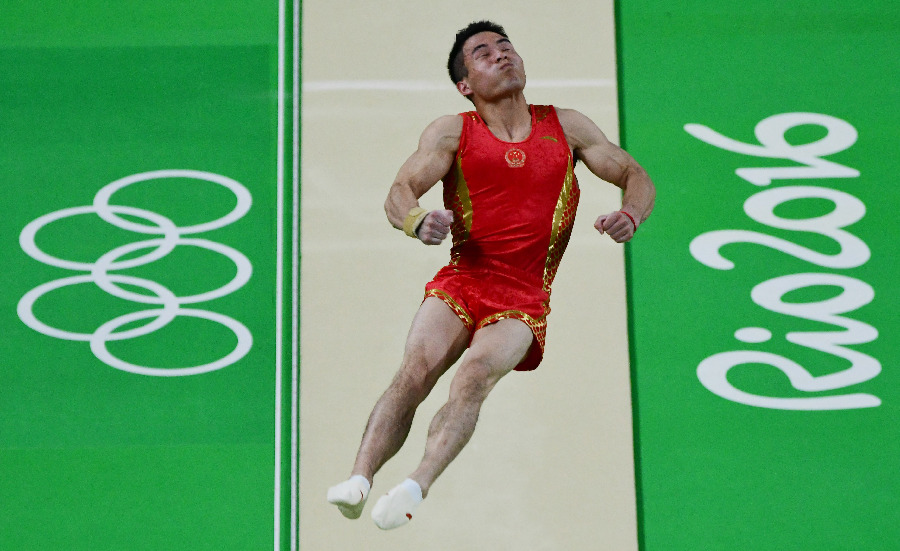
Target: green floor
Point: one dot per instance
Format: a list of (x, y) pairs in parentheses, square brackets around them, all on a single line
[(757, 461), (97, 453)]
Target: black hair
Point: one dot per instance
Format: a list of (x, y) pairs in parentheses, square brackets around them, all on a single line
[(455, 65)]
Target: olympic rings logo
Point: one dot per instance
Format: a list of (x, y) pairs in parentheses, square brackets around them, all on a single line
[(121, 258)]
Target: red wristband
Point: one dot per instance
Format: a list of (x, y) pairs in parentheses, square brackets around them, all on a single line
[(630, 218)]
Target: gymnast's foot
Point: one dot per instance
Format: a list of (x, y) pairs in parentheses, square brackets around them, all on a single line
[(350, 496), (396, 508)]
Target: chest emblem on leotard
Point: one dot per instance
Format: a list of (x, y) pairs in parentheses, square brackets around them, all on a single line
[(515, 158)]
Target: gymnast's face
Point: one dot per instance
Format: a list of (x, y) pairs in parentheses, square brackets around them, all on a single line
[(494, 68)]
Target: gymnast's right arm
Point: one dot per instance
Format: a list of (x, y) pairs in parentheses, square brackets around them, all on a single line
[(424, 168)]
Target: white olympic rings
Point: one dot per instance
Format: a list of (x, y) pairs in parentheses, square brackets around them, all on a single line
[(99, 273)]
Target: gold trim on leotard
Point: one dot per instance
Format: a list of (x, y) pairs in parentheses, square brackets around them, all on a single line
[(563, 217), (451, 302), (462, 210), (538, 326)]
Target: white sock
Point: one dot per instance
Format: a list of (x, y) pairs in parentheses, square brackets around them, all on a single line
[(397, 507), (350, 496)]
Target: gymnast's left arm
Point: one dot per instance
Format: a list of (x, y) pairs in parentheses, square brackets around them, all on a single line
[(612, 164)]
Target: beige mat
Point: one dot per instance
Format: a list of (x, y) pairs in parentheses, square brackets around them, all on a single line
[(550, 466)]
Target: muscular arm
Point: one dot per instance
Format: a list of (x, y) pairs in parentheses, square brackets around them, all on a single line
[(611, 163), (424, 168)]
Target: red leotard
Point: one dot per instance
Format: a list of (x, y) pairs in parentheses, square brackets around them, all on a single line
[(513, 205)]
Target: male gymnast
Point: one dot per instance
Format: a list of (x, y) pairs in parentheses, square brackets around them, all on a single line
[(510, 196)]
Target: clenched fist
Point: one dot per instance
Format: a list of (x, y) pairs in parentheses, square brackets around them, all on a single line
[(435, 228), (619, 225)]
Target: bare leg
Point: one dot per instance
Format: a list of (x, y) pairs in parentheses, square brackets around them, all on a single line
[(436, 340), (495, 351)]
